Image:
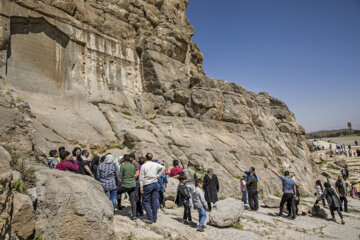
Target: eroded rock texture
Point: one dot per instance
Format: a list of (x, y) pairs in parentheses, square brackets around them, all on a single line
[(102, 73)]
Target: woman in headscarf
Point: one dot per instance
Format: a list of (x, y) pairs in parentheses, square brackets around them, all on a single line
[(333, 201), (109, 177), (319, 192), (211, 187)]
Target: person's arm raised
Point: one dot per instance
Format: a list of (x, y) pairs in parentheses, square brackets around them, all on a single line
[(239, 167), (277, 174)]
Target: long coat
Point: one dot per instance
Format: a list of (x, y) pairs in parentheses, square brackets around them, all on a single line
[(331, 197), (211, 186)]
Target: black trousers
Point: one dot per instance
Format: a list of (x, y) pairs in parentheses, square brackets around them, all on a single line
[(288, 198), (333, 209), (187, 212), (296, 202), (209, 206), (139, 208), (132, 195), (253, 200), (343, 199), (323, 201)]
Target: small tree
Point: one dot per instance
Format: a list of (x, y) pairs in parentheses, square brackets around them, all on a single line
[(349, 125)]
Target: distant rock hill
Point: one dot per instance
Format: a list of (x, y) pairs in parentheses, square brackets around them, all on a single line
[(124, 76)]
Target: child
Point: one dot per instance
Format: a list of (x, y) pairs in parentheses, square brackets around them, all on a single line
[(200, 204), (52, 160), (184, 197)]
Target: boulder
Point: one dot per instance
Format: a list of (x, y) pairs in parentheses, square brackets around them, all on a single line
[(318, 211), (341, 163), (75, 202), (23, 217), (171, 189), (176, 110), (271, 202), (317, 160), (226, 212), (33, 194), (170, 204)]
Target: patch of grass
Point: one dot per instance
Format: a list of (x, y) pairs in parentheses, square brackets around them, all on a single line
[(19, 99), (130, 237), (262, 197), (321, 164), (237, 176), (329, 166), (238, 226), (160, 114), (282, 172), (96, 103), (233, 152), (126, 113), (39, 237), (118, 146), (292, 160), (266, 165), (277, 194), (115, 109), (200, 171), (14, 158), (19, 186), (82, 145), (139, 127), (170, 146), (150, 118)]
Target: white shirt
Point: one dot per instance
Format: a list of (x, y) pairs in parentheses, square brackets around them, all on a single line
[(149, 173)]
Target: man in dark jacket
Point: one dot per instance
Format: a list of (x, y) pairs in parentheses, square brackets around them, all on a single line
[(253, 189), (184, 198), (340, 189)]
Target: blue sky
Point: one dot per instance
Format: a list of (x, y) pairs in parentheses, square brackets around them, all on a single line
[(304, 52)]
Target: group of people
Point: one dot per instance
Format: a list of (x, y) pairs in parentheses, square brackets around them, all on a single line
[(341, 150), (144, 181)]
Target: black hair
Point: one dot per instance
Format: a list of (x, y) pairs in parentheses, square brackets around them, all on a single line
[(64, 154), (252, 169), (149, 156), (198, 182), (84, 151), (182, 178), (327, 185), (132, 155), (62, 148), (318, 182), (52, 153), (176, 163), (127, 157), (286, 173), (75, 150), (141, 160)]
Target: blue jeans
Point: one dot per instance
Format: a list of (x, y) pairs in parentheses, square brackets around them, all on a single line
[(112, 194), (202, 215), (151, 193), (244, 197)]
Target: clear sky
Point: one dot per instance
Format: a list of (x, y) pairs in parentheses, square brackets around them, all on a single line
[(304, 52)]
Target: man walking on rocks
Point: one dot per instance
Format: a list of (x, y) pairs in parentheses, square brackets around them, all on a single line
[(340, 189), (149, 174), (289, 190)]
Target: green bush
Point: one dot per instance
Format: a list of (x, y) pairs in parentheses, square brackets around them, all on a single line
[(238, 226), (96, 103), (126, 113), (19, 186)]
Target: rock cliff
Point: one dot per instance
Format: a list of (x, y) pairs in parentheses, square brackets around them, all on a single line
[(123, 76)]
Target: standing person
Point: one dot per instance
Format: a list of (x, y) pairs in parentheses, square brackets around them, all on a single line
[(83, 164), (139, 207), (66, 164), (149, 173), (109, 177), (176, 170), (333, 201), (139, 210), (340, 189), (95, 162), (289, 191), (200, 204), (253, 189), (345, 173), (252, 169), (211, 187), (162, 182), (243, 189), (60, 150), (191, 178), (319, 192), (128, 174), (52, 160), (296, 202), (76, 153), (184, 197)]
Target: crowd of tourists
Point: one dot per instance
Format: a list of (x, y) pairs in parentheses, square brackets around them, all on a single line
[(347, 151), (145, 181)]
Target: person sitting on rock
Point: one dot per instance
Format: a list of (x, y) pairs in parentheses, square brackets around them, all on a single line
[(176, 170), (184, 199), (200, 204), (319, 192), (289, 191), (66, 164), (211, 187), (333, 201), (52, 160), (76, 153), (62, 148), (253, 189), (149, 174), (109, 177)]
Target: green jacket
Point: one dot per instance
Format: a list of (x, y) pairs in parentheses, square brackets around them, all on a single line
[(251, 185), (127, 172)]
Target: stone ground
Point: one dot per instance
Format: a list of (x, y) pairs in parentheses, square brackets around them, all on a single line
[(262, 224)]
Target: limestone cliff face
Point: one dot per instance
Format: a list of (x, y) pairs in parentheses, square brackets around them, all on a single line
[(103, 73)]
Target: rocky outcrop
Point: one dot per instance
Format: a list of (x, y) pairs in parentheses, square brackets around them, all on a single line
[(271, 202), (226, 212), (23, 217), (71, 206)]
